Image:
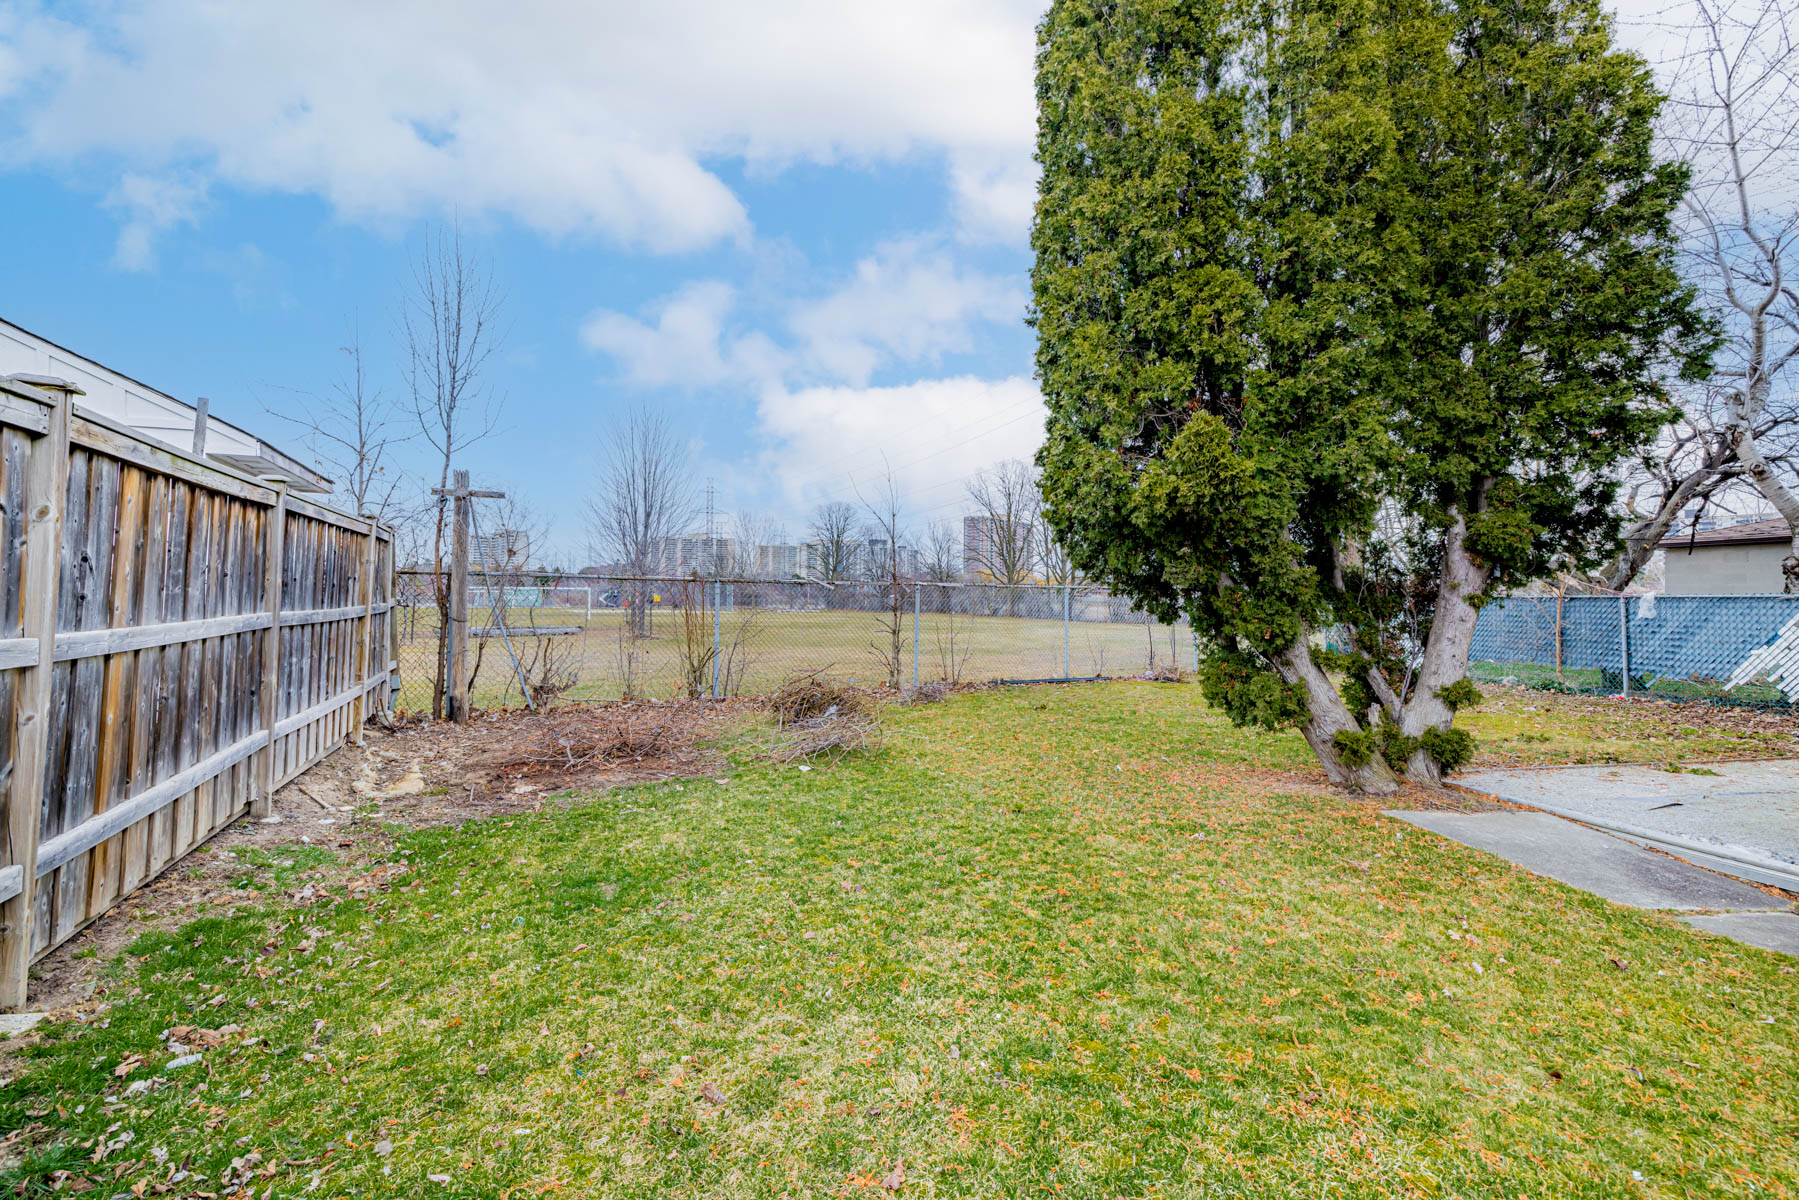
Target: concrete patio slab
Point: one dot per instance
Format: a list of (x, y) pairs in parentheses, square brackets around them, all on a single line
[(1592, 861), (1746, 814), (1777, 931)]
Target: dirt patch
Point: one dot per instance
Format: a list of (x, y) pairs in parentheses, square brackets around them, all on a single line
[(354, 804)]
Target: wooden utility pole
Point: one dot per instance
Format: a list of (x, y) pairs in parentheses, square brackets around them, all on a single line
[(456, 644)]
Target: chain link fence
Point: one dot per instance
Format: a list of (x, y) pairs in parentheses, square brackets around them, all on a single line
[(611, 638), (1732, 649)]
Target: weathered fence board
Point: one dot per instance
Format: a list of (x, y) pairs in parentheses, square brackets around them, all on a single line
[(176, 640)]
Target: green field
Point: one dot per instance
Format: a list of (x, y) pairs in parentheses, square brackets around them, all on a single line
[(760, 648), (1072, 942)]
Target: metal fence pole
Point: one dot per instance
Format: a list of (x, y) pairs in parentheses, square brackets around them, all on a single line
[(717, 596), (1624, 642), (917, 593), (1067, 612)]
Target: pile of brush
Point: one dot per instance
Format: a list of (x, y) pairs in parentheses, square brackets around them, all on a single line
[(820, 717), (597, 736), (811, 694)]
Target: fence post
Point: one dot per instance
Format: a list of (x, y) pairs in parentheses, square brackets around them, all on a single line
[(274, 533), (589, 590), (917, 603), (456, 707), (46, 482), (717, 599), (365, 655), (1624, 642), (390, 661), (1067, 616)]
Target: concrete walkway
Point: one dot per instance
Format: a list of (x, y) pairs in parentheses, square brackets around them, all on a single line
[(1622, 872)]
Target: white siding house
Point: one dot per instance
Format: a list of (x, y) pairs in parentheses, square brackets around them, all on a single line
[(153, 414)]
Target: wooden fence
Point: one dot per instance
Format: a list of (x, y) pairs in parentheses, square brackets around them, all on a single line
[(177, 640)]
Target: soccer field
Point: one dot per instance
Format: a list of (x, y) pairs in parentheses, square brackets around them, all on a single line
[(758, 648)]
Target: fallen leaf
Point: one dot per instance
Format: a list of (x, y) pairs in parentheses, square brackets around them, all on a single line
[(895, 1177), (711, 1094)]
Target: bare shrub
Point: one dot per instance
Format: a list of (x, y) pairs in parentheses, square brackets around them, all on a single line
[(698, 648), (550, 670), (954, 645)]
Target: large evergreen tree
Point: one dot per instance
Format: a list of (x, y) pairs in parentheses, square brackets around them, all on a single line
[(1347, 313)]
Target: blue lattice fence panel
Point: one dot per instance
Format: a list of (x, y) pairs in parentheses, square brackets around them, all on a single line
[(1677, 637), (1522, 629), (1516, 629), (1702, 637)]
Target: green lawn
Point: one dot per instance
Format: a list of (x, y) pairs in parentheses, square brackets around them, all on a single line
[(1081, 942), (762, 647)]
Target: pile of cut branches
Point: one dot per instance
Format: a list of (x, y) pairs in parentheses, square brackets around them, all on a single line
[(827, 737), (821, 718), (811, 695), (613, 735)]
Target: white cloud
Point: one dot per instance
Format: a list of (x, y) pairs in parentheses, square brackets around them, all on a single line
[(907, 304), (996, 194), (150, 207), (683, 346), (827, 441), (572, 117)]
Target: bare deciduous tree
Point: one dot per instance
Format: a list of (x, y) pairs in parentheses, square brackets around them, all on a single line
[(1053, 562), (750, 529), (941, 561), (885, 513), (351, 432), (834, 528), (1737, 122), (645, 495), (1006, 502), (449, 324)]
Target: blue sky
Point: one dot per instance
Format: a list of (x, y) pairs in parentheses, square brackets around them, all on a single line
[(798, 227), (798, 231)]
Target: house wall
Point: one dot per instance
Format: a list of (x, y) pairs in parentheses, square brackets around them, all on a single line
[(149, 412), (1725, 570)]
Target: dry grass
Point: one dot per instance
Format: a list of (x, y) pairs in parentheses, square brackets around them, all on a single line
[(927, 693)]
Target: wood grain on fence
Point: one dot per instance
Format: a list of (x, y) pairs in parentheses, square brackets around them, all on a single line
[(162, 620)]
